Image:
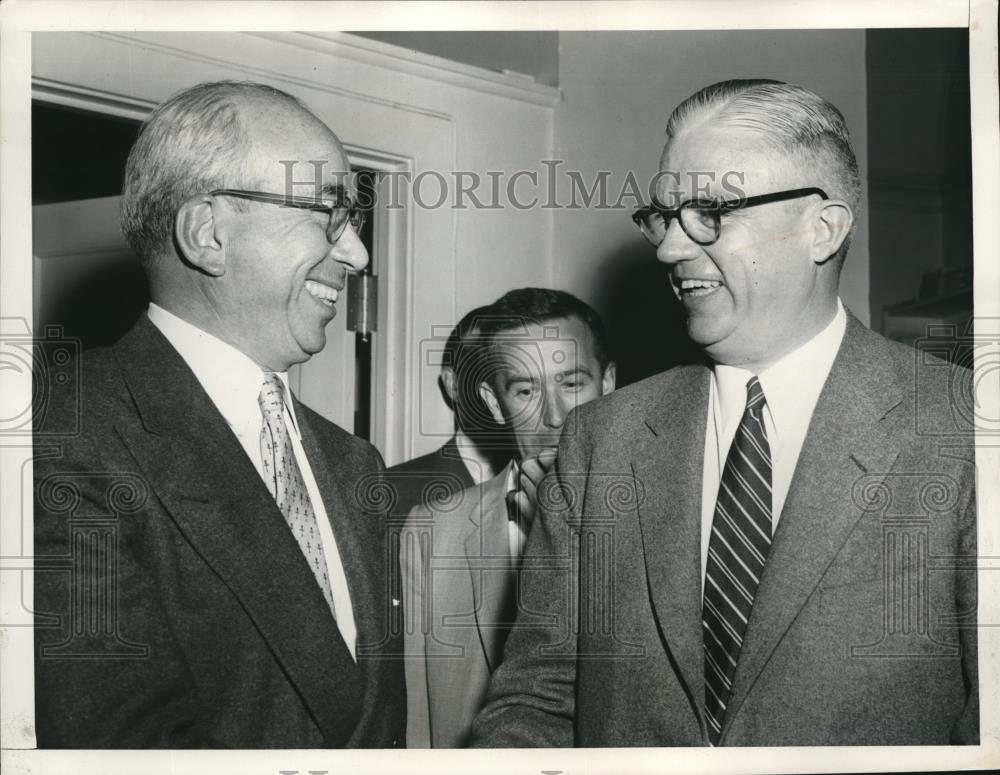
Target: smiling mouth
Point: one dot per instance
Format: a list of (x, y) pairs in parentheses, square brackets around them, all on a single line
[(326, 294), (696, 288)]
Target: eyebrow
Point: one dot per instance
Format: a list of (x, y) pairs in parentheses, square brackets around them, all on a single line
[(572, 372), (516, 379), (335, 191)]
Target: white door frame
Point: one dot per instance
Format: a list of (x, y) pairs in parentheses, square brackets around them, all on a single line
[(390, 424)]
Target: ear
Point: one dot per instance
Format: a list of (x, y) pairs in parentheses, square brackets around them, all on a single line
[(449, 383), (489, 397), (609, 378), (833, 223), (195, 231)]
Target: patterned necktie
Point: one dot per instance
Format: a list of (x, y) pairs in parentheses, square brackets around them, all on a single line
[(284, 480), (737, 551)]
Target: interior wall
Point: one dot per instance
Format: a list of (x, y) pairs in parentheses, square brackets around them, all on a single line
[(530, 52), (428, 120), (618, 90)]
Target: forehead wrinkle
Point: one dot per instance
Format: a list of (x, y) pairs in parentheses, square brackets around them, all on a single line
[(735, 157), (280, 132)]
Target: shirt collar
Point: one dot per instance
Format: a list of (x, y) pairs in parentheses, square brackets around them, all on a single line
[(791, 385), (230, 377)]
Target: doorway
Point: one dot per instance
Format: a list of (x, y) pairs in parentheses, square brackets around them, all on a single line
[(87, 281)]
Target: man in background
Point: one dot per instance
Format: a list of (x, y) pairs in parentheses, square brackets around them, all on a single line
[(227, 582), (755, 532), (545, 352), (476, 452)]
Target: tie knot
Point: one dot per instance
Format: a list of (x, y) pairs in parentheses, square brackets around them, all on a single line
[(755, 396), (272, 396)]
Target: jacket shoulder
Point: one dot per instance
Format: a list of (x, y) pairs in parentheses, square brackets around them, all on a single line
[(634, 402), (351, 448)]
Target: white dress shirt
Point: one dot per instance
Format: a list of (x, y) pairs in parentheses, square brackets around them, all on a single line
[(233, 382), (791, 389)]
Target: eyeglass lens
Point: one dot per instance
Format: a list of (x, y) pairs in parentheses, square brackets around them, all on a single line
[(701, 225), (340, 216)]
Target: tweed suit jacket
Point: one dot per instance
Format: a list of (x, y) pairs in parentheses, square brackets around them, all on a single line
[(440, 473), (174, 607), (458, 591), (863, 626)]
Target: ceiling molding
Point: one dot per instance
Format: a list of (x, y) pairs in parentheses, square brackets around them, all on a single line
[(403, 60)]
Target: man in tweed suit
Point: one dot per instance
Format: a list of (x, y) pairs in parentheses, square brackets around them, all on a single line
[(768, 549), (210, 570)]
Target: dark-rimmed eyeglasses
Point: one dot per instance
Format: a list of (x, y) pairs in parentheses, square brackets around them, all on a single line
[(337, 205), (701, 219)]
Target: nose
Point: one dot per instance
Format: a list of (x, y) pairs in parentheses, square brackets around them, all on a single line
[(350, 250), (553, 411), (677, 246)]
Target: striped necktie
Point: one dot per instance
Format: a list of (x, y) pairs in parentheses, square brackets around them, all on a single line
[(284, 480), (737, 551)]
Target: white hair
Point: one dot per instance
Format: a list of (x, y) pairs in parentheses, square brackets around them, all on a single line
[(194, 142), (788, 119)]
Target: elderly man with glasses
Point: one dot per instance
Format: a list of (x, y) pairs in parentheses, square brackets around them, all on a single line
[(763, 549), (209, 573)]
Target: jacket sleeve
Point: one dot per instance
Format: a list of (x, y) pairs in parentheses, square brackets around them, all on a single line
[(531, 698), (413, 566), (966, 728)]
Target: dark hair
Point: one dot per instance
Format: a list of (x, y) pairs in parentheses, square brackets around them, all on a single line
[(518, 308), (459, 340)]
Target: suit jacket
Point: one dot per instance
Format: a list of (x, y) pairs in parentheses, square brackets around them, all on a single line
[(863, 625), (458, 591), (441, 473), (174, 606)]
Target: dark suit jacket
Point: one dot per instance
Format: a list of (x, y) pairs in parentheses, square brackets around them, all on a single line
[(862, 630), (438, 474), (174, 607), (458, 586)]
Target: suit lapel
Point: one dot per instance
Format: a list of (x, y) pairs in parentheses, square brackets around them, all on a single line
[(359, 557), (487, 552), (209, 487), (668, 466), (845, 440)]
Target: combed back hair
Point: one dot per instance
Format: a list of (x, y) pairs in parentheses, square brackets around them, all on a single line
[(463, 337), (792, 121), (516, 309), (193, 143)]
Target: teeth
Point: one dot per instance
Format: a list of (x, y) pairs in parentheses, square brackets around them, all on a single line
[(687, 285), (322, 292)]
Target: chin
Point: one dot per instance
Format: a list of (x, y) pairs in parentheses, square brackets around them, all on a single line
[(312, 344), (706, 333)]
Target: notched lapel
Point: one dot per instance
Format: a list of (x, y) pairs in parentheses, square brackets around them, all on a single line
[(487, 553), (847, 440), (668, 466), (197, 469)]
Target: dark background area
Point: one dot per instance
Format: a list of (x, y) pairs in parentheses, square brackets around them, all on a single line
[(75, 154)]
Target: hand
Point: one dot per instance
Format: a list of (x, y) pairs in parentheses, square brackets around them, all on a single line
[(533, 470)]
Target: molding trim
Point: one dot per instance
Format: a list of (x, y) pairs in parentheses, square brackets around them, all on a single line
[(434, 68), (84, 98)]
